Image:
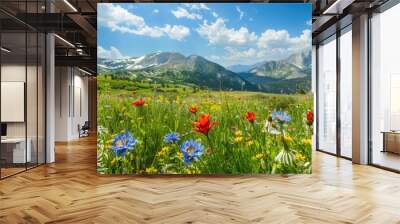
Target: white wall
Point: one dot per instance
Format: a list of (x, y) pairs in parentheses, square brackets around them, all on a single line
[(61, 103), (80, 115), (12, 73), (71, 87), (33, 126)]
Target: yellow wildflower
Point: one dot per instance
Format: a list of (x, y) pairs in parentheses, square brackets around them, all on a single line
[(177, 100), (151, 170), (238, 139), (164, 151), (115, 160), (179, 155), (161, 98), (300, 157), (259, 156), (238, 133), (109, 142), (307, 141), (287, 138), (249, 143), (215, 108), (192, 170)]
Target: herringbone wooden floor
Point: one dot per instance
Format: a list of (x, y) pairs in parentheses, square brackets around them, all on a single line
[(70, 191)]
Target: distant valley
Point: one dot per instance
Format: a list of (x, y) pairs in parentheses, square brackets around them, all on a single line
[(291, 75)]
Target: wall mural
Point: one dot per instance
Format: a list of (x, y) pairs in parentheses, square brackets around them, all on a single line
[(204, 88)]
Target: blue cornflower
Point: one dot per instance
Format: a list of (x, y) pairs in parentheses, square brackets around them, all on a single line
[(171, 137), (122, 143), (281, 116), (191, 151)]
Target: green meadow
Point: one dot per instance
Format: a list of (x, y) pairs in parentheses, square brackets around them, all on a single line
[(150, 128)]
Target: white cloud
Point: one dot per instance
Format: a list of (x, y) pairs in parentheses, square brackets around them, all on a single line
[(176, 32), (113, 15), (270, 45), (156, 11), (196, 6), (215, 14), (280, 40), (112, 53), (241, 13), (218, 33), (242, 46), (309, 22), (119, 19), (237, 54), (183, 13)]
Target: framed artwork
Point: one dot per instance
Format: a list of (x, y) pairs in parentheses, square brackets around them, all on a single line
[(218, 88)]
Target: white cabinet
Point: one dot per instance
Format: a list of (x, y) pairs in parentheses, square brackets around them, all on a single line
[(19, 155)]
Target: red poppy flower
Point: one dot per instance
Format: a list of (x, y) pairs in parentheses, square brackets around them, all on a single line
[(138, 103), (204, 124), (193, 109), (251, 116), (310, 118)]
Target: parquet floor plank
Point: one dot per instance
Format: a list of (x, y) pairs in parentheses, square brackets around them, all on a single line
[(70, 191)]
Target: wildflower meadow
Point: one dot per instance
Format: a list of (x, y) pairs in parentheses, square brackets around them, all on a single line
[(155, 129)]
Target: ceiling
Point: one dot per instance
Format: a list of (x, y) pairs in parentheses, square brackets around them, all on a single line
[(331, 15), (75, 22)]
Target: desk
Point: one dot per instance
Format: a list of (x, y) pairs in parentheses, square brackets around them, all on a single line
[(391, 141), (16, 147)]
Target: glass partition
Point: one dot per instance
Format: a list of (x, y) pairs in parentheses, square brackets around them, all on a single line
[(327, 95), (13, 95), (346, 92), (385, 89), (22, 77)]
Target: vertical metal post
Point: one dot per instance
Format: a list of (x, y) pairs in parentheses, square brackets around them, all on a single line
[(26, 86), (317, 97), (369, 78), (0, 92), (338, 77)]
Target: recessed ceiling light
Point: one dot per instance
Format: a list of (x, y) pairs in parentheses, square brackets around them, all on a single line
[(70, 5), (64, 40), (86, 72), (5, 50), (337, 7)]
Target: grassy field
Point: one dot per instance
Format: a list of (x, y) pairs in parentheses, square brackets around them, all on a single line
[(149, 128)]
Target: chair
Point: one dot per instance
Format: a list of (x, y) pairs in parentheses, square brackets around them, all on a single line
[(84, 130)]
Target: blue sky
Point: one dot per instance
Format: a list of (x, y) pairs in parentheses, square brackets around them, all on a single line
[(227, 33)]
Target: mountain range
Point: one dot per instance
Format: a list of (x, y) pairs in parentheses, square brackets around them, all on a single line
[(290, 75)]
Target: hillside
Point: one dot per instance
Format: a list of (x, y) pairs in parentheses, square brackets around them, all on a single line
[(290, 75)]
